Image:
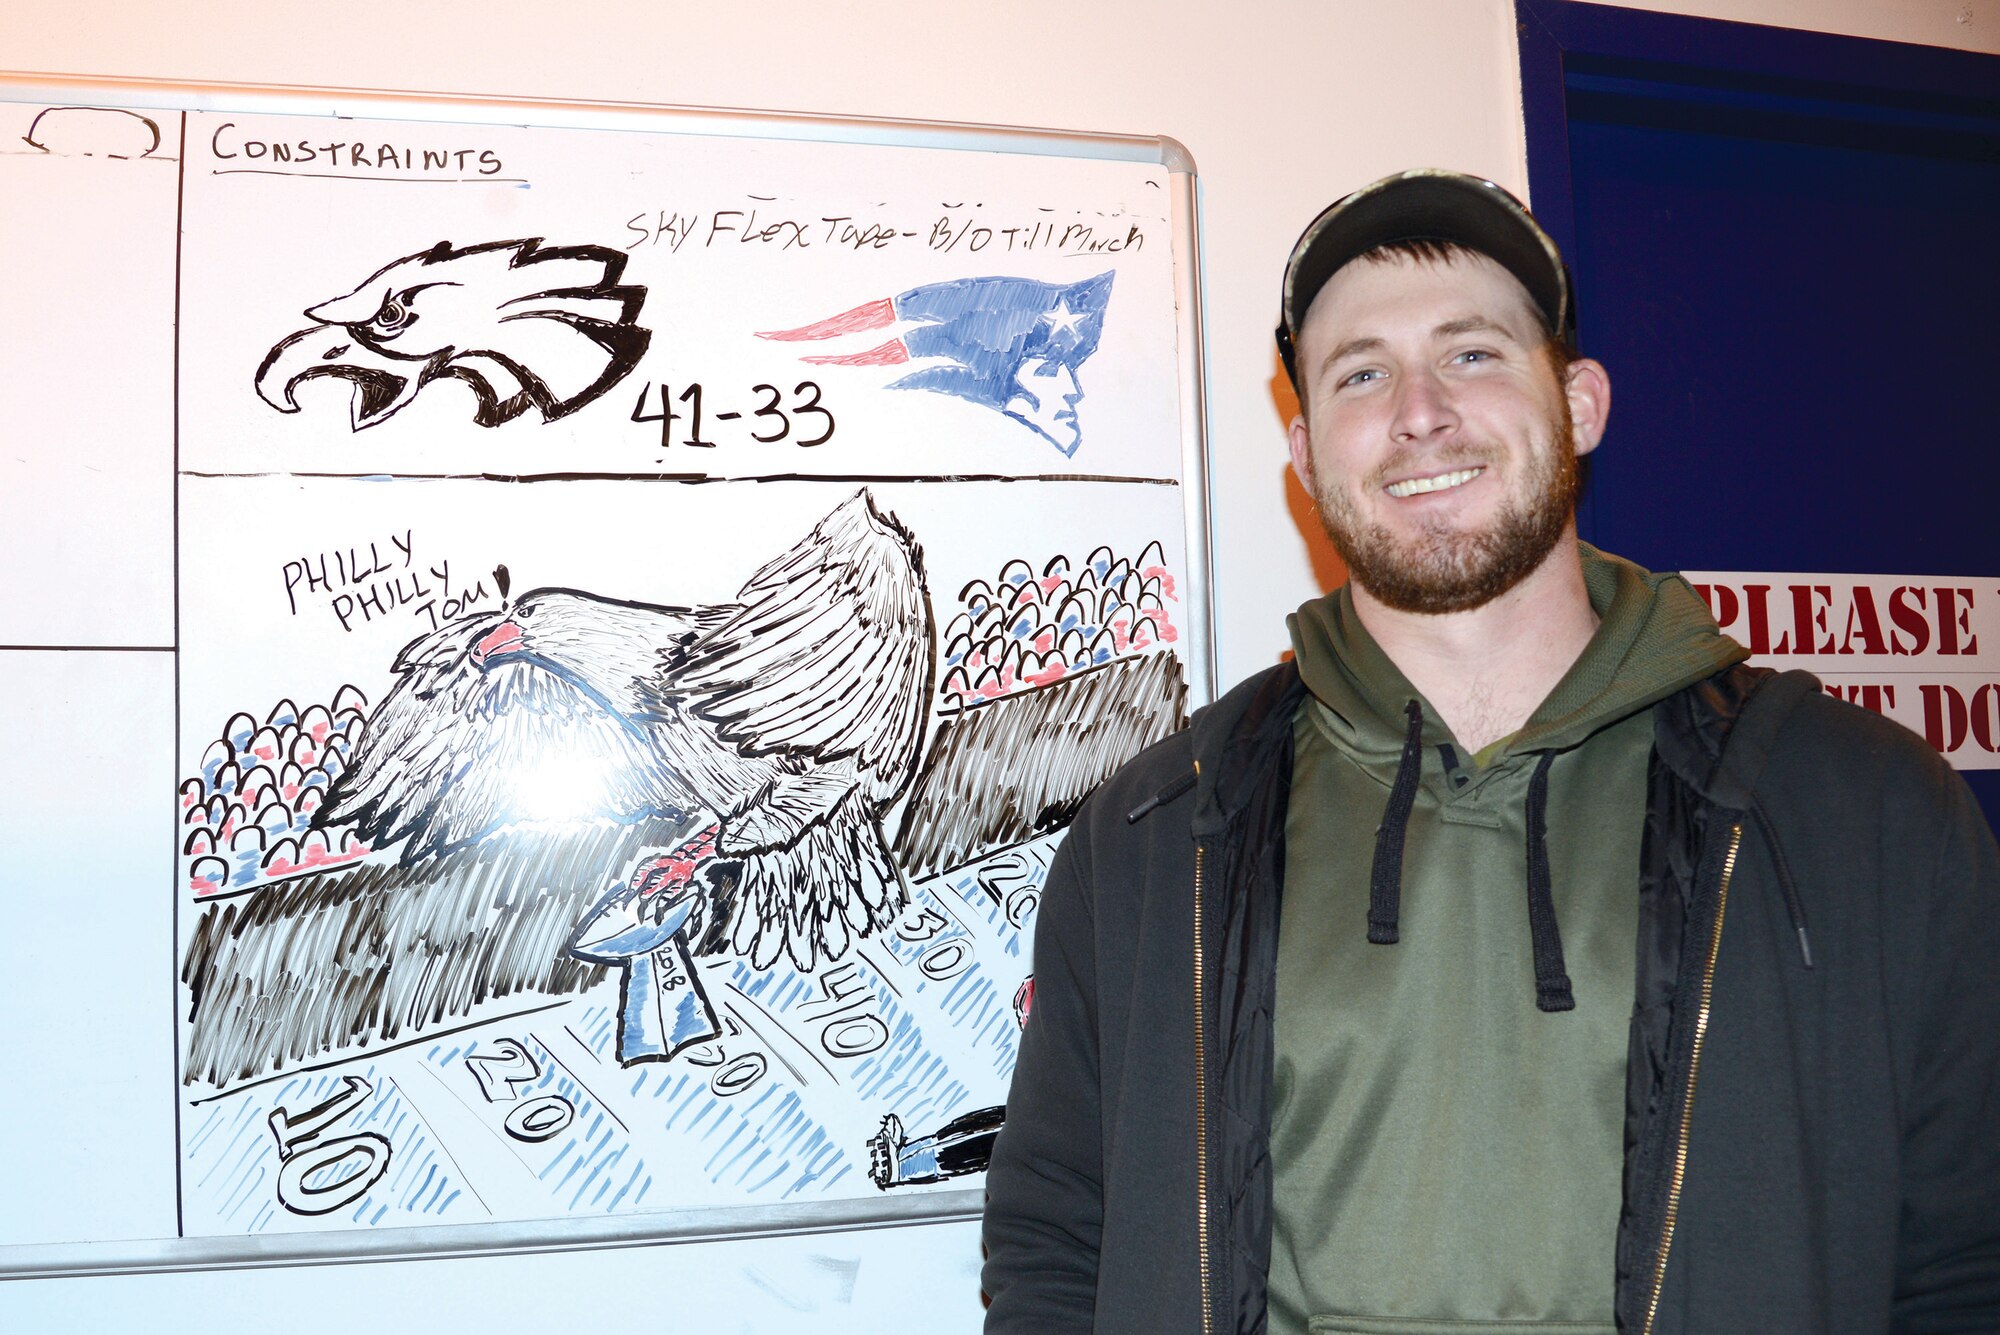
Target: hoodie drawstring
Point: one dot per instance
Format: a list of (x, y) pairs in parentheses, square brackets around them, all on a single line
[(1164, 796), (1385, 880), (1552, 992), (1793, 904)]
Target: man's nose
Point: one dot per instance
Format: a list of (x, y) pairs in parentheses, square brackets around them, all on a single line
[(1423, 408)]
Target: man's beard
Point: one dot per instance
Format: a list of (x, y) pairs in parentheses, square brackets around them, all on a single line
[(1446, 569)]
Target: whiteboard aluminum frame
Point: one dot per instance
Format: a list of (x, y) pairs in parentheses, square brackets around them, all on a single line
[(444, 1242), (583, 114), (74, 1260)]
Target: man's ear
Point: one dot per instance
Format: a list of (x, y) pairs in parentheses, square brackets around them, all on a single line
[(1587, 385), (1300, 439)]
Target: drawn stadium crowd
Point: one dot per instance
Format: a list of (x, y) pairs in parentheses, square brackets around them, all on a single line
[(1023, 630), (247, 815)]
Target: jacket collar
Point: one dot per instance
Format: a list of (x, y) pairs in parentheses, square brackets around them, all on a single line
[(1237, 739), (1695, 730), (1717, 734)]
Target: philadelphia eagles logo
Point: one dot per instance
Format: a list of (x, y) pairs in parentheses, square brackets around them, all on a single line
[(525, 325)]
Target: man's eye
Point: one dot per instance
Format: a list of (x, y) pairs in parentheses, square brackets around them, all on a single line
[(1361, 378), (1471, 355)]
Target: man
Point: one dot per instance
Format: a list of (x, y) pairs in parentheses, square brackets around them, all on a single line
[(1616, 985)]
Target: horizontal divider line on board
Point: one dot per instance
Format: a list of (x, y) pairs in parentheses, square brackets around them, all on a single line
[(698, 478), (87, 648)]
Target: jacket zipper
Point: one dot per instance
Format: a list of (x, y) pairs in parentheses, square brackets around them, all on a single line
[(1694, 1072), (1200, 1107)]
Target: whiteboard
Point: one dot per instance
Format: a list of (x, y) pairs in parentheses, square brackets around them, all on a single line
[(550, 646)]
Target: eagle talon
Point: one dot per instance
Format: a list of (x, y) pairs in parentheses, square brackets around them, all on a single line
[(662, 899), (683, 905), (622, 925)]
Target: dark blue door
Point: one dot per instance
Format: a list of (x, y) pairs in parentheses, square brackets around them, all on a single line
[(1784, 247)]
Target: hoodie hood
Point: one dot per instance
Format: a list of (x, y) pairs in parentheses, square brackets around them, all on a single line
[(1655, 636)]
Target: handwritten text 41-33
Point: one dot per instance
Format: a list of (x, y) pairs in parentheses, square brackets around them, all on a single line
[(804, 421)]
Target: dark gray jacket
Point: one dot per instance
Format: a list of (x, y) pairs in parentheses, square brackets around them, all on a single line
[(1813, 1092)]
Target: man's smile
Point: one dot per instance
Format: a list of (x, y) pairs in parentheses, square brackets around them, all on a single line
[(1417, 486)]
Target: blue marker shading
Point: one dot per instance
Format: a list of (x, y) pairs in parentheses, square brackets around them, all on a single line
[(1010, 344)]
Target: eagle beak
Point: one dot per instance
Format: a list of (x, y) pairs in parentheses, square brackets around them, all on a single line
[(505, 638), (381, 384), (357, 307)]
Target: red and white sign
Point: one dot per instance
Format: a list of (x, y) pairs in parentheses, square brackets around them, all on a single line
[(1923, 650)]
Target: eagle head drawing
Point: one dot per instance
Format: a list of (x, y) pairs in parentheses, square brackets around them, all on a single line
[(525, 325)]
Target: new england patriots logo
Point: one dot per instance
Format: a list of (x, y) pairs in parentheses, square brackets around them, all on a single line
[(525, 325), (1010, 344)]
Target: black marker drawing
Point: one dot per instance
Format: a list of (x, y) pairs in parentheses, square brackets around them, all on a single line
[(1023, 630), (962, 1145), (724, 770), (326, 961), (1047, 688), (792, 717), (643, 926), (525, 325), (248, 815), (93, 132), (321, 1172), (1019, 766)]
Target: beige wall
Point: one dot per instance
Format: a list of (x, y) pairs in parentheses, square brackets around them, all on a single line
[(1284, 104)]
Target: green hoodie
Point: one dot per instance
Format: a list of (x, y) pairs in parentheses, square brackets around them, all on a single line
[(1448, 1156)]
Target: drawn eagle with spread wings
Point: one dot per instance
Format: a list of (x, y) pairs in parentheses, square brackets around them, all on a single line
[(785, 723), (525, 325)]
